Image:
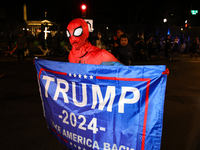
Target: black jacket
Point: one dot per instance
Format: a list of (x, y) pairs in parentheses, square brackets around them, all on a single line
[(124, 54)]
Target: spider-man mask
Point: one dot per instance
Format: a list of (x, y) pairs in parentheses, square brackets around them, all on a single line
[(77, 32)]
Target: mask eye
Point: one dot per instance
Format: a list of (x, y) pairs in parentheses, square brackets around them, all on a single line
[(68, 34), (78, 31)]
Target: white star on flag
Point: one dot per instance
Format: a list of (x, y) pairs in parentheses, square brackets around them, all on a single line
[(70, 74), (91, 77), (74, 75), (79, 75), (85, 76)]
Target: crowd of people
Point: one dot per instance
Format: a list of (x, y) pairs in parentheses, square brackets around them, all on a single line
[(143, 49), (128, 51)]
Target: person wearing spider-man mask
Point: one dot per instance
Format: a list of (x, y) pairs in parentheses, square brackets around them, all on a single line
[(82, 50)]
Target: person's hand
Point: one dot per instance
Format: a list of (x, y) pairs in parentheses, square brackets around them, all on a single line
[(115, 45), (115, 38)]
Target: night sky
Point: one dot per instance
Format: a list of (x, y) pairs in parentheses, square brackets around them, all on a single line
[(104, 11)]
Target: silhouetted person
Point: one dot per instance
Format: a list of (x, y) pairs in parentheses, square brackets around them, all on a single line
[(21, 45), (140, 46), (99, 42), (116, 42), (193, 48), (168, 45), (150, 47), (124, 52), (176, 41), (158, 45)]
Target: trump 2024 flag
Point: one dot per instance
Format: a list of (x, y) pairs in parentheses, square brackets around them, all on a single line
[(102, 107)]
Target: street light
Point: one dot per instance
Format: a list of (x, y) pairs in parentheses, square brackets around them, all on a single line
[(165, 20)]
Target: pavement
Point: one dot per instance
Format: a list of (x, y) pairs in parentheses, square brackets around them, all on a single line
[(23, 126)]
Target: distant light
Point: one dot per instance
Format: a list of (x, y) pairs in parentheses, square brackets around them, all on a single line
[(194, 12), (165, 20), (45, 32), (168, 32), (186, 25), (172, 14), (181, 29), (83, 7), (185, 21), (107, 28), (25, 29)]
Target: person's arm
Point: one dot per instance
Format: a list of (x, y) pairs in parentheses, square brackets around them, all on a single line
[(115, 44), (148, 41), (137, 42)]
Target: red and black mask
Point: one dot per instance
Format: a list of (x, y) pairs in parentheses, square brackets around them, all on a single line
[(77, 32)]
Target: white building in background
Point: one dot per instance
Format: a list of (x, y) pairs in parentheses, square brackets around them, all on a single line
[(35, 27)]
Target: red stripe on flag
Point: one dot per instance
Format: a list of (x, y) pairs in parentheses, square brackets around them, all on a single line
[(56, 72), (59, 135), (148, 80), (145, 115), (122, 79)]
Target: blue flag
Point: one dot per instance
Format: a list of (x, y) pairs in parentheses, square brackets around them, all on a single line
[(103, 107)]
